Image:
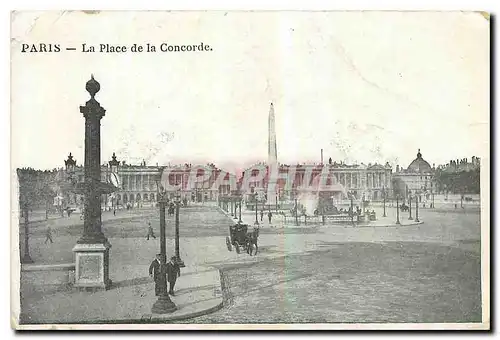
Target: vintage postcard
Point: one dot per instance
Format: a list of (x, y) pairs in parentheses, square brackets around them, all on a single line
[(250, 170)]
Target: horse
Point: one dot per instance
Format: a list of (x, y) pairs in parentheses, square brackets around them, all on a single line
[(251, 241)]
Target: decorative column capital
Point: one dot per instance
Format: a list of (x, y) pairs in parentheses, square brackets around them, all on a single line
[(92, 108)]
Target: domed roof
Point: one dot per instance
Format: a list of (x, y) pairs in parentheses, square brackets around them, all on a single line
[(419, 165)]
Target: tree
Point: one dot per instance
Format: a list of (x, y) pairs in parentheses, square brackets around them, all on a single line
[(34, 191)]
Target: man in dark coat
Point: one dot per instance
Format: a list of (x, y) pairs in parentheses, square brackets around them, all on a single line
[(48, 235), (173, 272), (155, 272), (150, 232)]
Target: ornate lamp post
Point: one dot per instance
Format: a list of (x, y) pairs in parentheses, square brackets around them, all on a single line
[(92, 249), (296, 213), (70, 165), (113, 176), (163, 305), (383, 192), (256, 206), (397, 210), (236, 203), (416, 208), (177, 252), (409, 204), (351, 197), (239, 206), (432, 195)]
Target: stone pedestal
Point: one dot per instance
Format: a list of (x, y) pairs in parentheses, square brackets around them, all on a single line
[(92, 266)]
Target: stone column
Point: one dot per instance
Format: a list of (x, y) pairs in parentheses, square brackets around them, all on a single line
[(92, 249), (93, 112)]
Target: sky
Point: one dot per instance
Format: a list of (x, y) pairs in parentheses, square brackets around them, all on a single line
[(363, 86)]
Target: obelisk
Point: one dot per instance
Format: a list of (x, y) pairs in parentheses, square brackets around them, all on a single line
[(272, 159)]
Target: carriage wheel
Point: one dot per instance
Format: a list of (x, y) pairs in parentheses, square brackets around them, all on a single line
[(237, 246), (228, 244)]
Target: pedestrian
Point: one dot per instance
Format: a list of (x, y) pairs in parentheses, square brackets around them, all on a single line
[(173, 272), (269, 216), (114, 212), (261, 215), (156, 274), (150, 232), (48, 235)]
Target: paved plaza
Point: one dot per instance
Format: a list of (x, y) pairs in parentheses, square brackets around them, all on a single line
[(428, 272)]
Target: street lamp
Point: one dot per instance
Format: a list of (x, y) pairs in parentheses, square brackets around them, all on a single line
[(113, 177), (351, 196), (397, 209), (383, 192), (177, 252), (255, 201), (432, 195), (239, 206), (409, 203), (163, 305), (296, 212), (416, 210), (236, 204), (70, 164)]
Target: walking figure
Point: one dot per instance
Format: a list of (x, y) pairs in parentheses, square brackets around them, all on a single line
[(155, 272), (150, 232), (261, 215), (173, 272), (48, 235), (269, 216)]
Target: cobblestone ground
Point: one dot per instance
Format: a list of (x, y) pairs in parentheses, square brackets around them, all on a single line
[(355, 282), (426, 273)]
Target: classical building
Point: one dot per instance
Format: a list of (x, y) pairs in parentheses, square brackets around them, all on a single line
[(199, 190), (417, 179), (362, 181), (139, 184)]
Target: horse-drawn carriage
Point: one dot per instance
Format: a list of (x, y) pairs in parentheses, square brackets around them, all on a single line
[(240, 238)]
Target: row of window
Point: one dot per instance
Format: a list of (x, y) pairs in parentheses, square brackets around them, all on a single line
[(135, 198)]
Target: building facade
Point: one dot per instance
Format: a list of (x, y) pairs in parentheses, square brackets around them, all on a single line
[(138, 185), (361, 181), (417, 180)]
